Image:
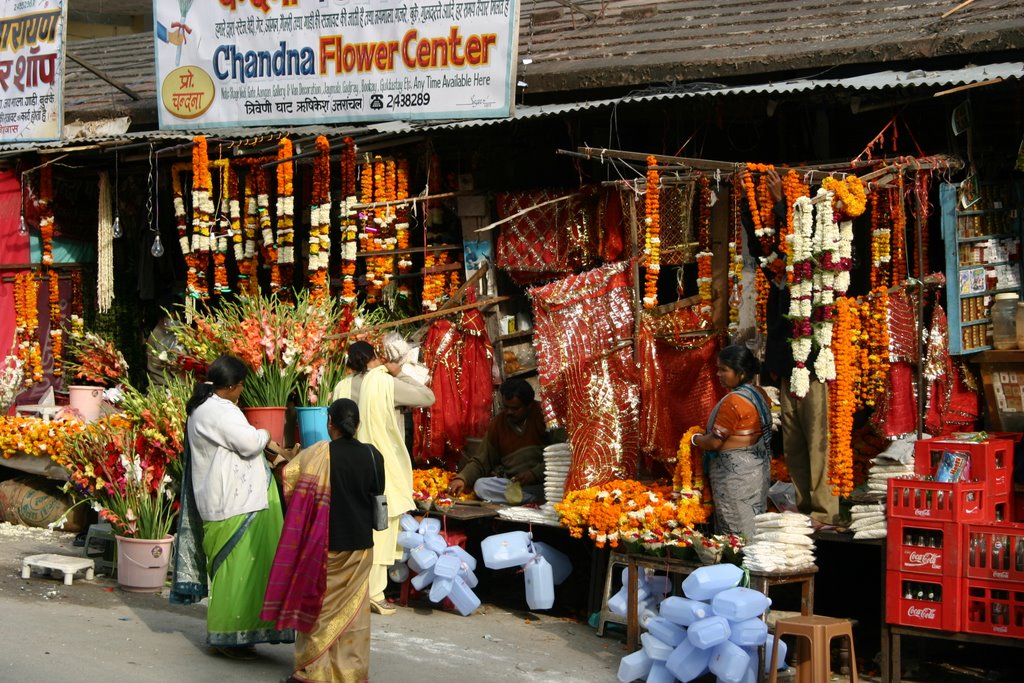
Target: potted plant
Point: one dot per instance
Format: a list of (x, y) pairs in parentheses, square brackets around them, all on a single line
[(124, 470)]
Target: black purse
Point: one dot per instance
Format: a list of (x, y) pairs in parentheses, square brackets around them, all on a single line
[(380, 501)]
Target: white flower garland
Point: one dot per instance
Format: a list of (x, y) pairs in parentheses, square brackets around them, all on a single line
[(801, 291), (104, 248)]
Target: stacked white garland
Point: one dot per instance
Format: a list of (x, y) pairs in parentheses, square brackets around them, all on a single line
[(104, 249), (349, 244), (319, 235), (285, 231), (800, 291)]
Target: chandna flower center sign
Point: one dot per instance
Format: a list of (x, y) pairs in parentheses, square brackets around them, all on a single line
[(264, 62)]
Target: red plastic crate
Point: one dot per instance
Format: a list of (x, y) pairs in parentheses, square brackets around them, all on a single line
[(991, 461), (993, 608), (919, 499), (924, 547), (983, 560), (942, 612), (1002, 508)]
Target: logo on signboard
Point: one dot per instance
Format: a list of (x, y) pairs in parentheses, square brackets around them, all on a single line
[(187, 92), (916, 559)]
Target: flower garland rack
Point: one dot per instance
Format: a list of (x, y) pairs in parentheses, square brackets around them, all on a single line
[(484, 303)]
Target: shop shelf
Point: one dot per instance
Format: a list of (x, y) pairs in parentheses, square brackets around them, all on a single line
[(994, 552), (941, 612), (938, 502), (991, 461), (992, 608), (924, 547)]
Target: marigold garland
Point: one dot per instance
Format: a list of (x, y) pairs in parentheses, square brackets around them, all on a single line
[(285, 216), (320, 222), (880, 243), (652, 239), (47, 224), (349, 226), (898, 221), (46, 220), (26, 310), (735, 273), (760, 203), (876, 328), (703, 258), (850, 193), (222, 237), (682, 477), (841, 402), (198, 256)]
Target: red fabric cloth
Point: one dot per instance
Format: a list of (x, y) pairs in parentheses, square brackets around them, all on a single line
[(13, 249), (896, 414), (537, 241), (459, 358), (614, 238), (679, 389)]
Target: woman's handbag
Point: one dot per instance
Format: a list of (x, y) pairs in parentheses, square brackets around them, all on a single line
[(380, 501)]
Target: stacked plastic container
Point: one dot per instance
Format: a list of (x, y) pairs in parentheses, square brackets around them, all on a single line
[(716, 627), (543, 567), (951, 551), (446, 569)]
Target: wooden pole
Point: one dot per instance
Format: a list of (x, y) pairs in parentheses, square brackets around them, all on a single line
[(635, 268), (418, 318)]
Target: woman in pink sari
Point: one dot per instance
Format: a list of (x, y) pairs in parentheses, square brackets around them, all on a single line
[(319, 584)]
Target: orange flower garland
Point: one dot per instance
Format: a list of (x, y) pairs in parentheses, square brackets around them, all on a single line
[(56, 333), (850, 193), (682, 477), (760, 203), (876, 327), (197, 258), (268, 240), (735, 262), (792, 189), (349, 226), (223, 234), (841, 403), (320, 222), (46, 214), (898, 221), (26, 311), (46, 227), (247, 283), (652, 240), (880, 243), (285, 216), (704, 275)]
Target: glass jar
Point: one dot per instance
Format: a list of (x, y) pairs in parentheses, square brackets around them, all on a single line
[(1004, 321)]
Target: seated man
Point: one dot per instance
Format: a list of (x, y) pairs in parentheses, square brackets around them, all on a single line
[(512, 450)]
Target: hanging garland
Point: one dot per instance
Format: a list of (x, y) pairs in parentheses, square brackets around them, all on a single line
[(841, 403), (26, 320), (682, 477), (850, 197), (898, 221), (826, 241), (433, 282), (880, 234), (223, 233), (760, 204), (349, 226), (792, 189), (704, 275), (247, 265), (320, 222), (268, 239), (285, 217), (104, 248), (735, 262), (801, 287), (921, 183), (402, 226), (198, 256), (47, 224), (46, 220), (652, 238), (876, 326)]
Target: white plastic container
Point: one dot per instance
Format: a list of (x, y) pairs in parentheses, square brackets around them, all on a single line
[(684, 611), (430, 525), (618, 603), (408, 523), (634, 666), (510, 549), (739, 604), (655, 649), (749, 632), (421, 559), (436, 543), (447, 566), (659, 584), (646, 615), (561, 566), (398, 572), (463, 597), (705, 582), (665, 631), (540, 587), (440, 589), (769, 643), (468, 576), (688, 662), (463, 556), (421, 581), (729, 662), (708, 632), (1004, 321), (660, 674), (409, 539)]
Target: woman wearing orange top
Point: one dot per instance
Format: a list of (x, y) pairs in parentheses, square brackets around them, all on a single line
[(737, 445)]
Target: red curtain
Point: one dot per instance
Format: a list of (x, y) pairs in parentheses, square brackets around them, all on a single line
[(13, 249)]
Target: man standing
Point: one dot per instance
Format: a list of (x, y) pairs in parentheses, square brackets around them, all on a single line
[(511, 455)]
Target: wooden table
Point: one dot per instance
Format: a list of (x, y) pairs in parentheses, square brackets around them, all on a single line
[(896, 632), (634, 563)]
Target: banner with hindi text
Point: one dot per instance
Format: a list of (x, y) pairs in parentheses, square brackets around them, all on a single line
[(226, 63), (31, 69)]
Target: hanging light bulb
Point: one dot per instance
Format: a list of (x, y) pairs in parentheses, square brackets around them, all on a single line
[(157, 250), (116, 229), (22, 226)]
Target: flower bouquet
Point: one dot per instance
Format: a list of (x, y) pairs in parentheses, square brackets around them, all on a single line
[(91, 359), (124, 472), (11, 375)]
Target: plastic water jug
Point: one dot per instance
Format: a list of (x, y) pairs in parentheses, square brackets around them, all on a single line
[(634, 666), (510, 549), (769, 643), (430, 525), (398, 572), (421, 581), (618, 603), (683, 611), (738, 604), (436, 543), (688, 662), (729, 662), (749, 632), (409, 539), (708, 632), (646, 615), (463, 597), (540, 588), (463, 556), (660, 673), (655, 649), (440, 589), (561, 566), (447, 566), (659, 584), (408, 523), (665, 631), (705, 582), (750, 675), (421, 559), (468, 576)]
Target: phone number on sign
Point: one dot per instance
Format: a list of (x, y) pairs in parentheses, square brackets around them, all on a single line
[(419, 99)]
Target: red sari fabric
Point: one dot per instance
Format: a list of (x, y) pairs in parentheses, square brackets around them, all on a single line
[(589, 381), (678, 387), (459, 357)]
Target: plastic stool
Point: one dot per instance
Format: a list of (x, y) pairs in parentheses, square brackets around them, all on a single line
[(453, 538), (813, 663), (614, 559), (105, 558)]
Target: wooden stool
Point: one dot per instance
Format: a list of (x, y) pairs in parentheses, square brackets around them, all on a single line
[(614, 559), (816, 634)]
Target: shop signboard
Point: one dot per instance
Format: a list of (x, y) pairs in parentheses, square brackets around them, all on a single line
[(31, 69), (273, 62)]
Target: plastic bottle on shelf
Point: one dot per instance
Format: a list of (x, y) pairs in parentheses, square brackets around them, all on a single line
[(1004, 321)]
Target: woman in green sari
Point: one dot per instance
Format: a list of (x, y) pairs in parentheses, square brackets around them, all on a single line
[(231, 516)]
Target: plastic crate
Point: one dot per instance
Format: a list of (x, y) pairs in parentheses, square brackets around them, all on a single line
[(924, 547), (994, 552), (991, 461), (942, 612), (993, 608), (919, 499)]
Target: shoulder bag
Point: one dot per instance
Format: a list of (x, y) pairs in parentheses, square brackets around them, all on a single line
[(380, 501)]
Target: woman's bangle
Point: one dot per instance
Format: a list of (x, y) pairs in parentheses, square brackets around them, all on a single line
[(692, 442)]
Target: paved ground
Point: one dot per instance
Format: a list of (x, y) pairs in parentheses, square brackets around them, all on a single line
[(94, 631)]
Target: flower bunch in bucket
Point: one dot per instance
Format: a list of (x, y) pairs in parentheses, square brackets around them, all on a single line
[(91, 359), (125, 473)]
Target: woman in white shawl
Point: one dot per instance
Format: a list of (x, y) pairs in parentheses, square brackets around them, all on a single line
[(381, 389)]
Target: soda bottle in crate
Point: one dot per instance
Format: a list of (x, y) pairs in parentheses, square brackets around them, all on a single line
[(936, 501), (923, 546), (994, 608), (922, 600), (994, 551), (989, 462)]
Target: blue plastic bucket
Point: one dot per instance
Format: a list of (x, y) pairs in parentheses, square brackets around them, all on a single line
[(312, 425)]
